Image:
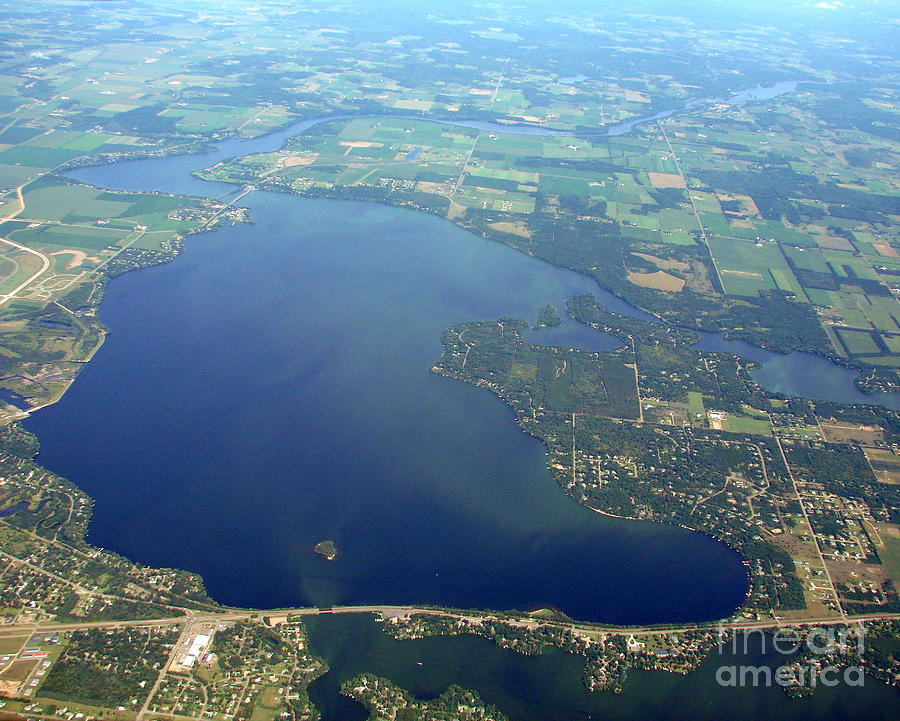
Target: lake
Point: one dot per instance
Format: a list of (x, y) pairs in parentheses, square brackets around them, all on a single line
[(797, 373), (270, 389), (549, 687)]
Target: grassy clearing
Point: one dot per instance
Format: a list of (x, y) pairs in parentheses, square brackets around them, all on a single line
[(695, 404), (890, 553), (745, 424), (11, 644), (660, 280)]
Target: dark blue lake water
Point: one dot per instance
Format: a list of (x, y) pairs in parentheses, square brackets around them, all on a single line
[(270, 388), (798, 373)]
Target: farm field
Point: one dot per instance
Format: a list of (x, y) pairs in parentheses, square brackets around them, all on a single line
[(636, 220), (782, 202)]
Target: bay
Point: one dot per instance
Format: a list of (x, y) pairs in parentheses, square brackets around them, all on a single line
[(271, 388), (549, 686)]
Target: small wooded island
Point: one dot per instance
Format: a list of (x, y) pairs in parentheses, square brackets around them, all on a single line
[(326, 549), (548, 317)]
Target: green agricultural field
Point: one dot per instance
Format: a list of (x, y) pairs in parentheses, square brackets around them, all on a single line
[(74, 203), (154, 240), (87, 142), (778, 169), (858, 342), (85, 238), (749, 267), (36, 157), (12, 176), (885, 361), (745, 424), (812, 261)]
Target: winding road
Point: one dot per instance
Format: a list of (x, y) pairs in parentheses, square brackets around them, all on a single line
[(45, 261)]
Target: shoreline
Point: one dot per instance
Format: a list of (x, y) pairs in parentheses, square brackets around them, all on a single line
[(205, 227)]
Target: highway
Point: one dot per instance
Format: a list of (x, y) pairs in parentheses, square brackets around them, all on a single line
[(386, 611)]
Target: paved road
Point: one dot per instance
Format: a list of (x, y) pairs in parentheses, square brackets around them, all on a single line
[(45, 261), (391, 611)]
